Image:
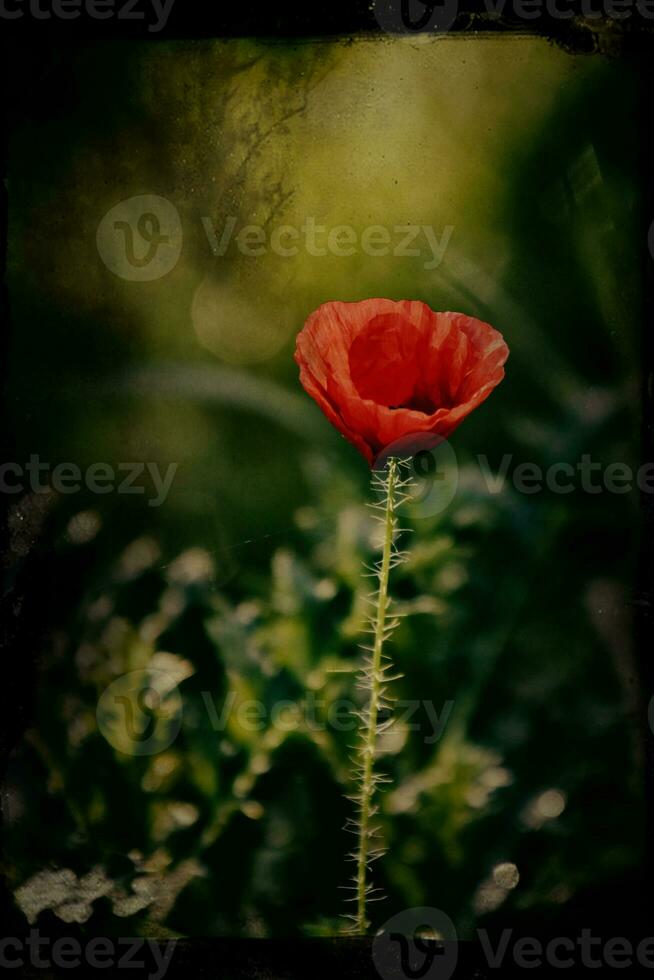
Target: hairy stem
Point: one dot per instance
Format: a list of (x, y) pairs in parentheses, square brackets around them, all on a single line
[(375, 676)]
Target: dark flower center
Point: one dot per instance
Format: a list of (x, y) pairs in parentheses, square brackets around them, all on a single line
[(386, 365)]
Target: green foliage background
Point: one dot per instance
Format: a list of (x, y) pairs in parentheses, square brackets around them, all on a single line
[(246, 584)]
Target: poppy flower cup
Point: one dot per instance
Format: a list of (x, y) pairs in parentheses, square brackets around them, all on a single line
[(397, 374)]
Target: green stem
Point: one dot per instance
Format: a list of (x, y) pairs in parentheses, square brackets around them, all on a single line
[(368, 747)]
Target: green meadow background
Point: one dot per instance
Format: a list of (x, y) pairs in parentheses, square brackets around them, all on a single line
[(245, 584)]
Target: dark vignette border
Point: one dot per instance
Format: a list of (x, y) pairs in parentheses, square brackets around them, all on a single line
[(25, 45)]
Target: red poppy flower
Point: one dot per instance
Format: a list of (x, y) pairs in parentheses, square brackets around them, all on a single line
[(397, 373)]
